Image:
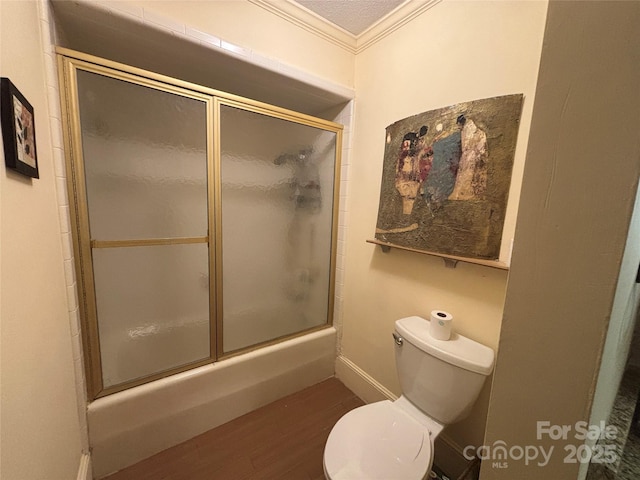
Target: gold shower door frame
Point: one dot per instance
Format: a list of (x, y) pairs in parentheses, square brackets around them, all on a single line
[(69, 63)]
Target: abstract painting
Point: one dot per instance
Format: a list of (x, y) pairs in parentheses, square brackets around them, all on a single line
[(446, 178), (18, 130)]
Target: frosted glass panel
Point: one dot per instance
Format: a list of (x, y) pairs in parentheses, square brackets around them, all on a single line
[(153, 309), (145, 160), (277, 207)]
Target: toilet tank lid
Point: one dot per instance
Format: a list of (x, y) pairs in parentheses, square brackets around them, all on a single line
[(458, 350)]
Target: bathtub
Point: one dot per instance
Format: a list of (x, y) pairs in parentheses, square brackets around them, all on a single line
[(134, 424)]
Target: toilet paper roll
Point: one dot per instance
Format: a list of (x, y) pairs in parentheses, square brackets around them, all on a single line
[(440, 325)]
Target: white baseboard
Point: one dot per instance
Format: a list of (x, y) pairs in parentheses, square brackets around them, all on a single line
[(84, 470), (360, 383)]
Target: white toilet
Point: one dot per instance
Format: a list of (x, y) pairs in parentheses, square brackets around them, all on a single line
[(440, 382)]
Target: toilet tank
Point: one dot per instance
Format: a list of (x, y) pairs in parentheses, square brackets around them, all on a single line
[(442, 378)]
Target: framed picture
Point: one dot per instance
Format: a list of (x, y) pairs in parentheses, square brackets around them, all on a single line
[(18, 130), (446, 178)]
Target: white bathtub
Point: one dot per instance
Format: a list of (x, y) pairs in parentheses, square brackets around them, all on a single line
[(129, 426)]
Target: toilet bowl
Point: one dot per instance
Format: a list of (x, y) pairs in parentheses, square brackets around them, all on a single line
[(381, 441), (440, 381)]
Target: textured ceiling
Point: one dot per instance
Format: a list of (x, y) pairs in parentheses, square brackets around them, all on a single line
[(354, 16)]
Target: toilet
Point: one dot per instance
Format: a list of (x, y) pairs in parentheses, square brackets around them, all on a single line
[(440, 382)]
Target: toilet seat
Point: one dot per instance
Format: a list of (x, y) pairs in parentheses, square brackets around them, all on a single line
[(379, 441)]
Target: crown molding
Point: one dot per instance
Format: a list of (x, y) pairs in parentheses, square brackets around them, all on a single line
[(395, 19), (310, 21)]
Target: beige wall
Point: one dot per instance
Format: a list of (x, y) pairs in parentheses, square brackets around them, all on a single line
[(578, 193), (446, 56), (457, 51), (268, 34), (40, 434)]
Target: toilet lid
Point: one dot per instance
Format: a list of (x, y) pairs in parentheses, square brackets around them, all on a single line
[(377, 441)]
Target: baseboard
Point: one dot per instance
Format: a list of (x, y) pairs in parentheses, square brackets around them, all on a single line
[(360, 383), (84, 470), (448, 454)]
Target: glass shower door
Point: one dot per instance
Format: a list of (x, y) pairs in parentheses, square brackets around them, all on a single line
[(277, 199), (146, 161), (204, 223)]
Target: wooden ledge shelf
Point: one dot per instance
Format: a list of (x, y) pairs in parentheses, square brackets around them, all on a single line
[(450, 261)]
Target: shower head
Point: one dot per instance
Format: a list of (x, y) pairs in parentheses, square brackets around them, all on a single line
[(304, 153), (301, 155)]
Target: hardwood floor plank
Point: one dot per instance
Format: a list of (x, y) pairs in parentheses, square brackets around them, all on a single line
[(280, 441)]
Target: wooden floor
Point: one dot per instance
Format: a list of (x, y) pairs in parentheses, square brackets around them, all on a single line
[(280, 441)]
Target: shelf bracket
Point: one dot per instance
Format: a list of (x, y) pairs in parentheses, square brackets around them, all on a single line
[(450, 263)]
